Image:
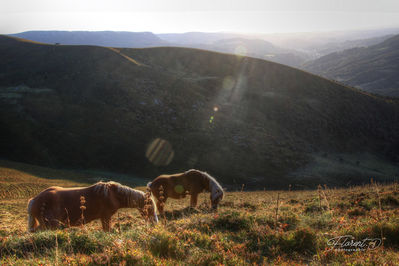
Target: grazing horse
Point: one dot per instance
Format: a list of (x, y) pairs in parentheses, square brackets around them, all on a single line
[(190, 182), (76, 206)]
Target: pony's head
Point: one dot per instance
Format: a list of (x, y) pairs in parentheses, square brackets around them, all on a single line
[(216, 191), (130, 198)]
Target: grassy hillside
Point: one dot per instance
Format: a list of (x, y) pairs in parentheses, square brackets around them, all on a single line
[(244, 120), (263, 227), (374, 69)]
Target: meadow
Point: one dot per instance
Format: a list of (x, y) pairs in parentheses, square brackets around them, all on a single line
[(250, 227)]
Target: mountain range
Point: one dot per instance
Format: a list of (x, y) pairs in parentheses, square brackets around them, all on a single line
[(374, 69), (168, 109), (98, 38), (293, 49), (321, 43), (220, 42)]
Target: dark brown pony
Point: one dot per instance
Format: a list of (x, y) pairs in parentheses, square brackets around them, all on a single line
[(58, 206), (191, 182)]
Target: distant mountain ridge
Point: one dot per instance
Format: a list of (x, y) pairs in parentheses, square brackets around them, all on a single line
[(237, 44), (302, 47), (374, 69), (315, 42), (244, 120), (349, 44), (99, 38), (221, 42), (193, 38)]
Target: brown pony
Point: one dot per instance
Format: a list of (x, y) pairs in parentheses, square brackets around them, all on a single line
[(76, 206), (190, 182)]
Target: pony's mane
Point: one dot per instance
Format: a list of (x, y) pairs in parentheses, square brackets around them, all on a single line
[(212, 180), (133, 196), (103, 187)]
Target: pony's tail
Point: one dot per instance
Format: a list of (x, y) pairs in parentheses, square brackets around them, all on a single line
[(152, 198), (150, 191), (31, 219)]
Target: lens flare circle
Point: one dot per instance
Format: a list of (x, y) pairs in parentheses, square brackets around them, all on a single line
[(228, 83), (240, 51), (160, 152), (179, 189)]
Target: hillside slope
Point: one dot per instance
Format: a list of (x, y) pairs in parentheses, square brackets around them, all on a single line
[(374, 69), (242, 119)]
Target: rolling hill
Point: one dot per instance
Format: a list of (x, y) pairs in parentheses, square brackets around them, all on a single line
[(374, 69), (164, 110)]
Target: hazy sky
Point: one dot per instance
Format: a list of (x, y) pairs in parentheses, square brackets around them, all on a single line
[(159, 16)]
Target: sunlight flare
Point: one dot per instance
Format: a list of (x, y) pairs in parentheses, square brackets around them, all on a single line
[(228, 83), (160, 152), (240, 51)]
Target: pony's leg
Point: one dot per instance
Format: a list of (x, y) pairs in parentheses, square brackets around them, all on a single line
[(193, 200), (106, 223)]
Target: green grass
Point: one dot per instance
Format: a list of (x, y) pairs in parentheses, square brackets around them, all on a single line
[(243, 231)]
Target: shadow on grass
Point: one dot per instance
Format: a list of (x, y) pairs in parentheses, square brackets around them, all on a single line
[(185, 212)]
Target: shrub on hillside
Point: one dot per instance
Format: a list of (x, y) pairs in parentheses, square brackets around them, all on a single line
[(39, 244), (271, 244), (359, 211), (284, 222), (165, 245), (389, 200), (233, 221), (389, 230)]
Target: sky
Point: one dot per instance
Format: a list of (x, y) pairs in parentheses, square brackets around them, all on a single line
[(163, 16)]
